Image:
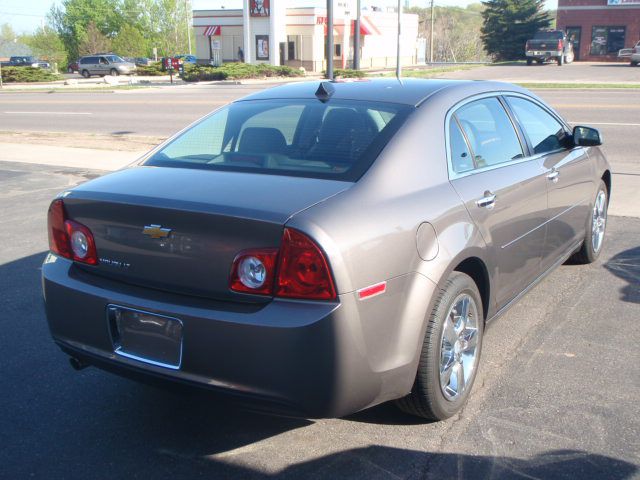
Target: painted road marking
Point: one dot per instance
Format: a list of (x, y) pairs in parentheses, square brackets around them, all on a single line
[(48, 113)]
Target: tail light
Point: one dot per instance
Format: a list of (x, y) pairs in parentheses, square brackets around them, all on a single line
[(70, 239), (298, 270), (559, 44)]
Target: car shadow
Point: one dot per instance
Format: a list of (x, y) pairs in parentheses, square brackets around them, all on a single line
[(626, 265)]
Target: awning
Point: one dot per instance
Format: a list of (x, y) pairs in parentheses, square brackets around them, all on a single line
[(211, 30), (366, 27)]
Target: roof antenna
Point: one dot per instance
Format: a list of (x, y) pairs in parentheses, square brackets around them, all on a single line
[(398, 67), (324, 91)]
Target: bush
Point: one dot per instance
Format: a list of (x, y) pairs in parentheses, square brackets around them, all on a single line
[(153, 70), (28, 74), (348, 73), (236, 71)]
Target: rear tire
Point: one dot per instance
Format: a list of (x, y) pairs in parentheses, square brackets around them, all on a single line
[(529, 61), (561, 60), (596, 228), (86, 74), (633, 64), (450, 353)]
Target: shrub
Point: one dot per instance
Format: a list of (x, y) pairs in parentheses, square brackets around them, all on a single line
[(153, 70), (28, 74), (348, 73), (236, 71)]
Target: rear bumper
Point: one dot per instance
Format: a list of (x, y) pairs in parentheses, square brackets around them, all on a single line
[(543, 54), (311, 359)]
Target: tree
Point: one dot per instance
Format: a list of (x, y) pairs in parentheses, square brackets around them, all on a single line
[(508, 24), (47, 44), (130, 43), (93, 41)]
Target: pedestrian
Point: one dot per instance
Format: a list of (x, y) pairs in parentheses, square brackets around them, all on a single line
[(240, 54)]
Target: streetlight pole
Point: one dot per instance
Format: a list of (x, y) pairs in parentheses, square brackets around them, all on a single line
[(330, 39), (431, 33), (398, 67), (356, 39)]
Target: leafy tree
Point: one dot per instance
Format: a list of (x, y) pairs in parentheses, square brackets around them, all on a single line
[(129, 42), (72, 18), (47, 44), (7, 34), (93, 41), (508, 24)]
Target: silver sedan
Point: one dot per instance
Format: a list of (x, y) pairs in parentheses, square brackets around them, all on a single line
[(322, 247)]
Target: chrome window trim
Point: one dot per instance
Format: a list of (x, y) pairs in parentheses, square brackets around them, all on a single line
[(453, 175)]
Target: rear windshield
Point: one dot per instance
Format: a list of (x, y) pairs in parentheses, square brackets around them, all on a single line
[(548, 36), (338, 139)]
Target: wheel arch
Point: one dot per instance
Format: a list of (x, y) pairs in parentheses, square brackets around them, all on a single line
[(606, 178), (477, 270)]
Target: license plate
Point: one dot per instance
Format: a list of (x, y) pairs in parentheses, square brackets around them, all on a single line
[(146, 337)]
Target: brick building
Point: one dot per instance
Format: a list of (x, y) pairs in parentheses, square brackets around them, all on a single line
[(599, 28)]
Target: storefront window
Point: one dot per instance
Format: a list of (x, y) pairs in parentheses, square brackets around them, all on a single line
[(607, 40)]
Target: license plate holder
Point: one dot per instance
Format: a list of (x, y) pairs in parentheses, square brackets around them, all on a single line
[(145, 336)]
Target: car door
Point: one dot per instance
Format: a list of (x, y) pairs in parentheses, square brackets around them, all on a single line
[(569, 172), (503, 190), (102, 66)]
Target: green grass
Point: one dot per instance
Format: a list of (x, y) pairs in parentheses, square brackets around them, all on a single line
[(577, 86), (431, 72)]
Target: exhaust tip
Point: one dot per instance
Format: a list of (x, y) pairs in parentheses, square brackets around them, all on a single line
[(77, 364)]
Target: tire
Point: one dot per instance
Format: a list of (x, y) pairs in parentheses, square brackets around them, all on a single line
[(86, 74), (529, 61), (433, 396), (561, 60), (113, 72), (595, 228), (633, 64)]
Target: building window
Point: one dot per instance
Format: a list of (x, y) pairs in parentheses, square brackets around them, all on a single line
[(607, 40)]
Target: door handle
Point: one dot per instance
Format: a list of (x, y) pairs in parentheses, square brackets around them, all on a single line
[(488, 201), (553, 175)]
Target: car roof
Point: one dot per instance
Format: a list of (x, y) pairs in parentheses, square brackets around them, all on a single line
[(407, 91)]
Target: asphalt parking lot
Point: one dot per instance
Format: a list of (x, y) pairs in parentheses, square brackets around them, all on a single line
[(556, 397)]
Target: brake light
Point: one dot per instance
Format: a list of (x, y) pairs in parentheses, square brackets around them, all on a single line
[(303, 271), (298, 270), (559, 44), (70, 239)]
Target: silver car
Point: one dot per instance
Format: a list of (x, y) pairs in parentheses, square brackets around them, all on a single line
[(105, 65), (319, 248)]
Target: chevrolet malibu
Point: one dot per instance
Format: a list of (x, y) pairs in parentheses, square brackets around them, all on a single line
[(319, 248)]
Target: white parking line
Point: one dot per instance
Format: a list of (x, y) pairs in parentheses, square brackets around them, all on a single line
[(48, 113), (607, 124)]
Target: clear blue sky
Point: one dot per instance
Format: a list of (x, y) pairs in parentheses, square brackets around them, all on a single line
[(27, 15)]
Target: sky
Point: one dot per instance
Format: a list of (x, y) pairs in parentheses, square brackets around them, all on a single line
[(27, 15)]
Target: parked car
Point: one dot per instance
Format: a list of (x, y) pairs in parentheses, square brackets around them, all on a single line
[(143, 61), (301, 248), (549, 45), (635, 55), (26, 61), (108, 64), (73, 67), (187, 58)]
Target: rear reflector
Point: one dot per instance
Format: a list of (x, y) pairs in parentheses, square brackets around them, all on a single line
[(372, 291)]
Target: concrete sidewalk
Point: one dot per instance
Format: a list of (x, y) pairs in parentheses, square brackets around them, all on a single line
[(86, 158)]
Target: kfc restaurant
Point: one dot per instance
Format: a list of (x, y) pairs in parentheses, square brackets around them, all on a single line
[(266, 31), (600, 28)]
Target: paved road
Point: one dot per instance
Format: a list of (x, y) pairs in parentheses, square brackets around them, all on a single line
[(557, 393)]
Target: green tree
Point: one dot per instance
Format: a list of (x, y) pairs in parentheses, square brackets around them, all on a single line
[(508, 24), (129, 42), (72, 18), (93, 41), (47, 44)]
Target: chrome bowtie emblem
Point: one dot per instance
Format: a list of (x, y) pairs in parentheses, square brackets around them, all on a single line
[(156, 231)]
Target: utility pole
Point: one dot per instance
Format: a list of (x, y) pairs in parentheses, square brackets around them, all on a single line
[(431, 33), (186, 13), (398, 67), (356, 39), (330, 39)]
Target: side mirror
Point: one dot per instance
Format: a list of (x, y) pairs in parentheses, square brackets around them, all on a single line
[(586, 137)]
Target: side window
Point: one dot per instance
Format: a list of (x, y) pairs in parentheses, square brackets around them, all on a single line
[(461, 159), (543, 131), (491, 135)]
